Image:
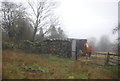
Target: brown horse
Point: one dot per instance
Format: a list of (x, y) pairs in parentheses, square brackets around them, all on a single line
[(86, 52)]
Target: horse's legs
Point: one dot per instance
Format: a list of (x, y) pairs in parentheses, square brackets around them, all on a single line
[(89, 55), (86, 55)]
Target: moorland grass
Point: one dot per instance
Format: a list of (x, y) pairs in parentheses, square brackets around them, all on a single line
[(51, 67)]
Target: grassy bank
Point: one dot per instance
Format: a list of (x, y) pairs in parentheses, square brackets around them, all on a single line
[(21, 65)]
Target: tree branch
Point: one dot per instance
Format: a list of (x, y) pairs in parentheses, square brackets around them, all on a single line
[(32, 8)]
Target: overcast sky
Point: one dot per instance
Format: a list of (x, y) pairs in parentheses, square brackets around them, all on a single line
[(88, 18)]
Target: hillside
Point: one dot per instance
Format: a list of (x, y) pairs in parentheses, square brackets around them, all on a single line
[(21, 65)]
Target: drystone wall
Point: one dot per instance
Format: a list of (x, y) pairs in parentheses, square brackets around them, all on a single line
[(55, 47)]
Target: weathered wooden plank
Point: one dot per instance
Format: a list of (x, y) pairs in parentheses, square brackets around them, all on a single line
[(109, 54), (114, 54), (100, 54), (114, 58), (113, 62)]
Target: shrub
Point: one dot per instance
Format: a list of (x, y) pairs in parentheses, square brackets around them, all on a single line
[(7, 45), (29, 46), (25, 45)]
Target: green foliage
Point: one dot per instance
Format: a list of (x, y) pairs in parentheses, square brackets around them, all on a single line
[(56, 32), (15, 22), (83, 76), (7, 45), (27, 45), (4, 36), (61, 59), (27, 42)]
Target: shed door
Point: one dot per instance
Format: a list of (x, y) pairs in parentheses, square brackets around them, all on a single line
[(73, 48)]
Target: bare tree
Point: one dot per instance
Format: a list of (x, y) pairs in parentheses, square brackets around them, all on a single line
[(42, 12)]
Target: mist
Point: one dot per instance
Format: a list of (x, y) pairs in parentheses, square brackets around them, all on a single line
[(85, 19)]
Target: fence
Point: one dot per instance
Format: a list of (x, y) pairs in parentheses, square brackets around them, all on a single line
[(110, 58)]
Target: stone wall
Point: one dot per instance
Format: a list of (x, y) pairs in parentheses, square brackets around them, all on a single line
[(59, 47), (55, 47)]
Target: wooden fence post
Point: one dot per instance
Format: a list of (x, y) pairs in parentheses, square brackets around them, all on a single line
[(76, 55), (107, 59)]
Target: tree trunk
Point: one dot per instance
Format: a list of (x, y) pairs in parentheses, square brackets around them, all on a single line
[(34, 34)]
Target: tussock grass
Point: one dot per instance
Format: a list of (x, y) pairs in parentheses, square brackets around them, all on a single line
[(51, 67)]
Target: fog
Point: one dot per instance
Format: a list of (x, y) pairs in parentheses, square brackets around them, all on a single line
[(84, 19)]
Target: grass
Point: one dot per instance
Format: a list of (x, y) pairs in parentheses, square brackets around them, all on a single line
[(51, 67)]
